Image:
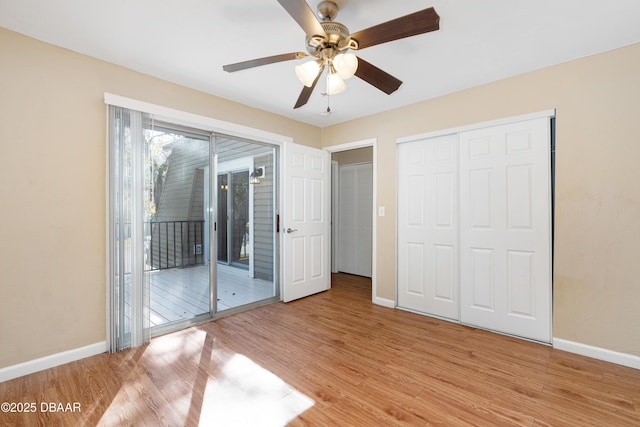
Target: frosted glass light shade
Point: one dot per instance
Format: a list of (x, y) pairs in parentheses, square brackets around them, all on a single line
[(335, 84), (307, 72), (346, 65)]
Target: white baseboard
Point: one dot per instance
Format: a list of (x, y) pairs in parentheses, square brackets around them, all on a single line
[(597, 353), (21, 369), (384, 302)]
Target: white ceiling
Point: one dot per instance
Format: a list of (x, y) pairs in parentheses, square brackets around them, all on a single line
[(188, 42)]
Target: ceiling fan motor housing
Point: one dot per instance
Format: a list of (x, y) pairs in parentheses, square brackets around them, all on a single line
[(337, 38)]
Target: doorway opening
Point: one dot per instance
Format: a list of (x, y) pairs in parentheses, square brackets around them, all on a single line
[(353, 206)]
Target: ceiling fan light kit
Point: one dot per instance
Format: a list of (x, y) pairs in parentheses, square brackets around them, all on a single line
[(307, 72), (346, 65), (335, 84), (329, 43)]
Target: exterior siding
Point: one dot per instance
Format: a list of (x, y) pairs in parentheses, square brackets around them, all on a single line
[(182, 199), (264, 221)]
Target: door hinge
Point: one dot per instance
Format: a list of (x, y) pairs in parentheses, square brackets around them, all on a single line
[(277, 223)]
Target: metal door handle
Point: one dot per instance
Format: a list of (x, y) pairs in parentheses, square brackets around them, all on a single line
[(291, 230)]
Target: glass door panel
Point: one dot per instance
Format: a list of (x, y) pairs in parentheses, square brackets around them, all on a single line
[(246, 222), (176, 191), (239, 216), (222, 236)]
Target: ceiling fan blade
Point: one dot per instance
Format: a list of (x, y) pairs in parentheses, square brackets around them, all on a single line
[(376, 77), (304, 16), (413, 24), (306, 91), (263, 61)]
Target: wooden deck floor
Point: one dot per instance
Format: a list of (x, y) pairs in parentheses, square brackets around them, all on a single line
[(183, 293), (333, 359)]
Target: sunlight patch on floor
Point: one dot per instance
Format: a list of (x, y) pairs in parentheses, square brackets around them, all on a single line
[(244, 393), (187, 378)]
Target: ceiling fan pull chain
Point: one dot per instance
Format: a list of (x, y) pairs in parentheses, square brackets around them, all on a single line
[(327, 112)]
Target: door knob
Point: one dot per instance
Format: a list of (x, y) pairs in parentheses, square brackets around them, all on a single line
[(291, 230)]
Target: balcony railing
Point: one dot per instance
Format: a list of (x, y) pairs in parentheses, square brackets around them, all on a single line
[(174, 244)]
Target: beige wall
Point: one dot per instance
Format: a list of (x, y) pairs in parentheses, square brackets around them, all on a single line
[(52, 187), (597, 250), (350, 157)]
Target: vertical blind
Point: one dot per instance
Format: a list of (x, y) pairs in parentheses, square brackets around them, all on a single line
[(128, 281)]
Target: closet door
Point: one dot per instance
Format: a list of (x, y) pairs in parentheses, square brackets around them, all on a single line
[(505, 232), (355, 219), (428, 226)]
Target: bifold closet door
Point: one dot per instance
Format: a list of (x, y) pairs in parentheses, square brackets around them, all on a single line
[(505, 228), (355, 219), (428, 226)]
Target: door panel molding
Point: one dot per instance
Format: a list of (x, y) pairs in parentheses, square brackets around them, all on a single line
[(428, 266), (505, 230), (306, 222), (509, 216)]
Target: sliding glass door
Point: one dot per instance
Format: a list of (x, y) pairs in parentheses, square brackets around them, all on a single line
[(192, 223)]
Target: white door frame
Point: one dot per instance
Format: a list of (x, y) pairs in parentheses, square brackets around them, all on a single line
[(335, 184), (371, 142)]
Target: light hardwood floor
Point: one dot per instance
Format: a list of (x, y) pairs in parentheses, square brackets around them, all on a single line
[(333, 359)]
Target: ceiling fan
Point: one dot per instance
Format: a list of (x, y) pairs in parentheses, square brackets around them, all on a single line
[(329, 42)]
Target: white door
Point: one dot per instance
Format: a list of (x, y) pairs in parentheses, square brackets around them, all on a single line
[(428, 226), (355, 219), (306, 222), (505, 231)]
